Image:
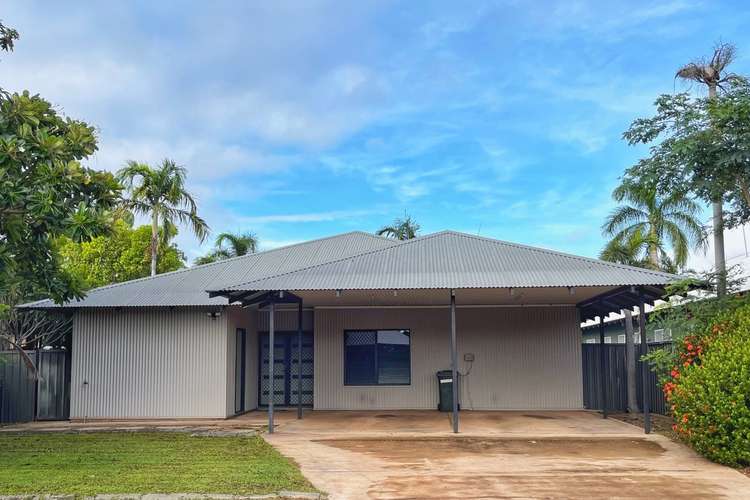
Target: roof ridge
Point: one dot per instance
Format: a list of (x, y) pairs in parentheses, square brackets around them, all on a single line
[(398, 244), (557, 252), (222, 261)]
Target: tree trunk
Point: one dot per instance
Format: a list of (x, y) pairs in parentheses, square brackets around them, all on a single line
[(719, 261), (653, 249), (718, 226), (154, 240), (630, 360)]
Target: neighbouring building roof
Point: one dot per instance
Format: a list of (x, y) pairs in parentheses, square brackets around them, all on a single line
[(457, 261), (187, 287)]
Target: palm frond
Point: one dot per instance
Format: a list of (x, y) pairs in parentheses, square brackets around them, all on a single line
[(622, 217)]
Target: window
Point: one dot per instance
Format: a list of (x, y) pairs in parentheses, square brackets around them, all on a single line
[(377, 357), (621, 338)]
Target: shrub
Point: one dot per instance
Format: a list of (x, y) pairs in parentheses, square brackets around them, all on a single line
[(710, 389)]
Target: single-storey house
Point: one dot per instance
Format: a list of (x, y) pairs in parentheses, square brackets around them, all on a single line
[(358, 322)]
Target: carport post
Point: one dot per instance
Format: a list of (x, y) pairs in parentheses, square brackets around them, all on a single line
[(271, 379), (299, 359), (644, 364), (602, 367), (454, 362)]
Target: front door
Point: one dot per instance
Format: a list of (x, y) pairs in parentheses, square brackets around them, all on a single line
[(286, 369)]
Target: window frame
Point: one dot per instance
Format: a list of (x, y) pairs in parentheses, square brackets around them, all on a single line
[(377, 366)]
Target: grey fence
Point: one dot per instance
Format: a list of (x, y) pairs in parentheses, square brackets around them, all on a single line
[(22, 398), (615, 379)]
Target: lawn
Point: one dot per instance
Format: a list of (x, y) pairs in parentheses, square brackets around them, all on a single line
[(147, 462)]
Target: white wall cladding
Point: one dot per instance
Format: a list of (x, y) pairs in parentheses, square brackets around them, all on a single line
[(526, 358), (148, 363)]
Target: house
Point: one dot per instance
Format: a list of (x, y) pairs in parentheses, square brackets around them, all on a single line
[(377, 319)]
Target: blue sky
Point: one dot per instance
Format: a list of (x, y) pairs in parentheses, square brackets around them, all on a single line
[(304, 119)]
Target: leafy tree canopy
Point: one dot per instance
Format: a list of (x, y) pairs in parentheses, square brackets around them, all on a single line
[(700, 146), (124, 255), (46, 193)]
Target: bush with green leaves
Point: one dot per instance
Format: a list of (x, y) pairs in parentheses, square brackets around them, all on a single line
[(709, 390)]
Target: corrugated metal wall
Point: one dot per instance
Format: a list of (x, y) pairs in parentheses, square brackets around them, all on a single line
[(149, 363), (525, 358)]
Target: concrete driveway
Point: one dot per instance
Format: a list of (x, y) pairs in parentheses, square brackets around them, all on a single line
[(575, 454)]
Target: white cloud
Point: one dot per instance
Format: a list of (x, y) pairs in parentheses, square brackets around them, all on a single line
[(307, 217), (587, 138)]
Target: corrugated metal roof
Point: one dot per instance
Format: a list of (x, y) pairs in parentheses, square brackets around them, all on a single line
[(187, 287), (456, 260)]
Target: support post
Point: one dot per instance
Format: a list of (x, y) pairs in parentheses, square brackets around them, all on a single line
[(299, 359), (644, 364), (454, 362), (602, 368), (271, 379)]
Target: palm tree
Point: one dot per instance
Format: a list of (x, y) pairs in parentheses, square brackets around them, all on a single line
[(712, 74), (630, 250), (237, 244), (160, 193), (402, 229), (647, 225)]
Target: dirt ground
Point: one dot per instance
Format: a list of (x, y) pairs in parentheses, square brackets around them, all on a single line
[(355, 455)]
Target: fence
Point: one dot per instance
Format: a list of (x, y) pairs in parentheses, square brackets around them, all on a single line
[(22, 398), (615, 378)]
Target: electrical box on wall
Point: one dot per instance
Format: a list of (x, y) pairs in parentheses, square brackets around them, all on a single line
[(469, 357)]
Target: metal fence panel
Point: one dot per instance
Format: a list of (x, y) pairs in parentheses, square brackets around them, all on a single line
[(20, 395), (17, 389), (615, 379), (53, 392)]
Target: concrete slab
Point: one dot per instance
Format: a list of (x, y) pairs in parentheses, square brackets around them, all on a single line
[(399, 455)]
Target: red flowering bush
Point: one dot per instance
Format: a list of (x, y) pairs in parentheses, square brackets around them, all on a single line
[(709, 389)]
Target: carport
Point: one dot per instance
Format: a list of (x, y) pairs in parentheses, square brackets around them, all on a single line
[(435, 282)]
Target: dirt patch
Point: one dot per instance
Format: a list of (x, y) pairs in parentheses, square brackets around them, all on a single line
[(411, 450), (581, 485), (661, 424)]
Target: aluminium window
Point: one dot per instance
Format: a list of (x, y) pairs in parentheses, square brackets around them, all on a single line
[(377, 357)]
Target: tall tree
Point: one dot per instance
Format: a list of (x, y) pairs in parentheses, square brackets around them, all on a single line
[(656, 223), (230, 245), (712, 74), (161, 194), (46, 193), (404, 228)]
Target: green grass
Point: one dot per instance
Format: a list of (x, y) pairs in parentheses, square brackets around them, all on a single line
[(148, 462)]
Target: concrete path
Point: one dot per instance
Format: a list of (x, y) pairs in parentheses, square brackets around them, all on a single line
[(400, 455)]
